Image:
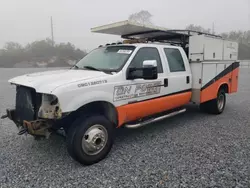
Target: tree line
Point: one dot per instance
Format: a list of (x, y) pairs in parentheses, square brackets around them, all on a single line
[(39, 52)]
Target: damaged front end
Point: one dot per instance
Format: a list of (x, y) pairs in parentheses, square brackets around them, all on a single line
[(34, 113)]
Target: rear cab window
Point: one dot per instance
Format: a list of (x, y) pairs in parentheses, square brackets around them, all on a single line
[(175, 60)]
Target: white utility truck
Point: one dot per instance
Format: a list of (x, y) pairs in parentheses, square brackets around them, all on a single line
[(151, 75)]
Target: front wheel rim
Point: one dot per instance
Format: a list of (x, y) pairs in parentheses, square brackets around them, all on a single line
[(220, 102), (94, 139)]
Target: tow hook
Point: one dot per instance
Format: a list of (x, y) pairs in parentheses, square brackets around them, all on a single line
[(22, 131), (4, 116)]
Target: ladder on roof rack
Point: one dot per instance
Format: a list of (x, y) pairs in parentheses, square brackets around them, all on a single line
[(130, 30), (174, 33)]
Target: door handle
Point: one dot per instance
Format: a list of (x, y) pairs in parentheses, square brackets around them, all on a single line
[(165, 82), (187, 79)]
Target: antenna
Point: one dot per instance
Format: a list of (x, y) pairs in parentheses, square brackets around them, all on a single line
[(52, 33)]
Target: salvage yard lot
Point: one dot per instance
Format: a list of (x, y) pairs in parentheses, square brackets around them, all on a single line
[(190, 150)]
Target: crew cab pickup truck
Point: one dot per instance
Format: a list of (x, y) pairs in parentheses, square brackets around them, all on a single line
[(151, 75)]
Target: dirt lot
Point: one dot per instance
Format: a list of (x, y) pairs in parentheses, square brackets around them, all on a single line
[(189, 150)]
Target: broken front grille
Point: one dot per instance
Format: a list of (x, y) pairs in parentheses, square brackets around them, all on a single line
[(27, 104)]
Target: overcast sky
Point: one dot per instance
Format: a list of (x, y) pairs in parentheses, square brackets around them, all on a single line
[(24, 21)]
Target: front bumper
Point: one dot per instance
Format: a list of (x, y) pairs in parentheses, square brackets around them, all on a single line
[(39, 127)]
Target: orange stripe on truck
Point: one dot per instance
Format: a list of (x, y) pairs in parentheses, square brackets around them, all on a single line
[(135, 111), (235, 80), (229, 77)]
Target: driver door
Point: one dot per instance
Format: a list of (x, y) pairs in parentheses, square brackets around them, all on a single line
[(139, 94)]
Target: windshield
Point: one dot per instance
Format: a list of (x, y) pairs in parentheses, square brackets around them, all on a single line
[(109, 58)]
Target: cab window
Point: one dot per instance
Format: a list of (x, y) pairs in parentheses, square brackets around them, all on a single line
[(175, 60), (147, 53)]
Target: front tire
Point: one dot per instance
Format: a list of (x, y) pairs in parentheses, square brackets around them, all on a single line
[(215, 106), (90, 139)]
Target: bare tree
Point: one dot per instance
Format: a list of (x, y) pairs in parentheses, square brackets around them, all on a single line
[(240, 36), (143, 17), (13, 46), (198, 28)]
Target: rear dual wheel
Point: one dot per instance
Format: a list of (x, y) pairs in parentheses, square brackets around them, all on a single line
[(90, 139), (215, 106)]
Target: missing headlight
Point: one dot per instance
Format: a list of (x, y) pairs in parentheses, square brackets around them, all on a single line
[(50, 108), (48, 97), (54, 101)]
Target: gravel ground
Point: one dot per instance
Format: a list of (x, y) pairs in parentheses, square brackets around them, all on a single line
[(189, 150)]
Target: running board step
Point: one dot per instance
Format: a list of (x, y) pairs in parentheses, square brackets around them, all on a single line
[(134, 126)]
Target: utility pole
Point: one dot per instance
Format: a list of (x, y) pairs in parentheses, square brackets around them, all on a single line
[(248, 19), (249, 13), (213, 29), (52, 33)]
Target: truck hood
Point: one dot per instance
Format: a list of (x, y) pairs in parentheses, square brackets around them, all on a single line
[(46, 82)]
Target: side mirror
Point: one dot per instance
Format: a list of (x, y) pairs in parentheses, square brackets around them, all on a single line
[(147, 72), (150, 69)]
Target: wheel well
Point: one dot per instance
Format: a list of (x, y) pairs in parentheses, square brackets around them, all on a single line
[(225, 88), (98, 107)]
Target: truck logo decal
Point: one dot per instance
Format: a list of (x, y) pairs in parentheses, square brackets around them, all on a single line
[(92, 83), (124, 92)]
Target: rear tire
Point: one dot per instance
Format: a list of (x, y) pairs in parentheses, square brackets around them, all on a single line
[(215, 106), (90, 139)]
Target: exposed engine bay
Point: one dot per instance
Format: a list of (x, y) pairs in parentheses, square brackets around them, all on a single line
[(34, 113)]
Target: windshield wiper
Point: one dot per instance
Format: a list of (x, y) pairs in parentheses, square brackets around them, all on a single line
[(75, 66), (91, 68), (96, 69)]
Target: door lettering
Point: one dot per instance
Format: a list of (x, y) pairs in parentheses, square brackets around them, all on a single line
[(124, 92)]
